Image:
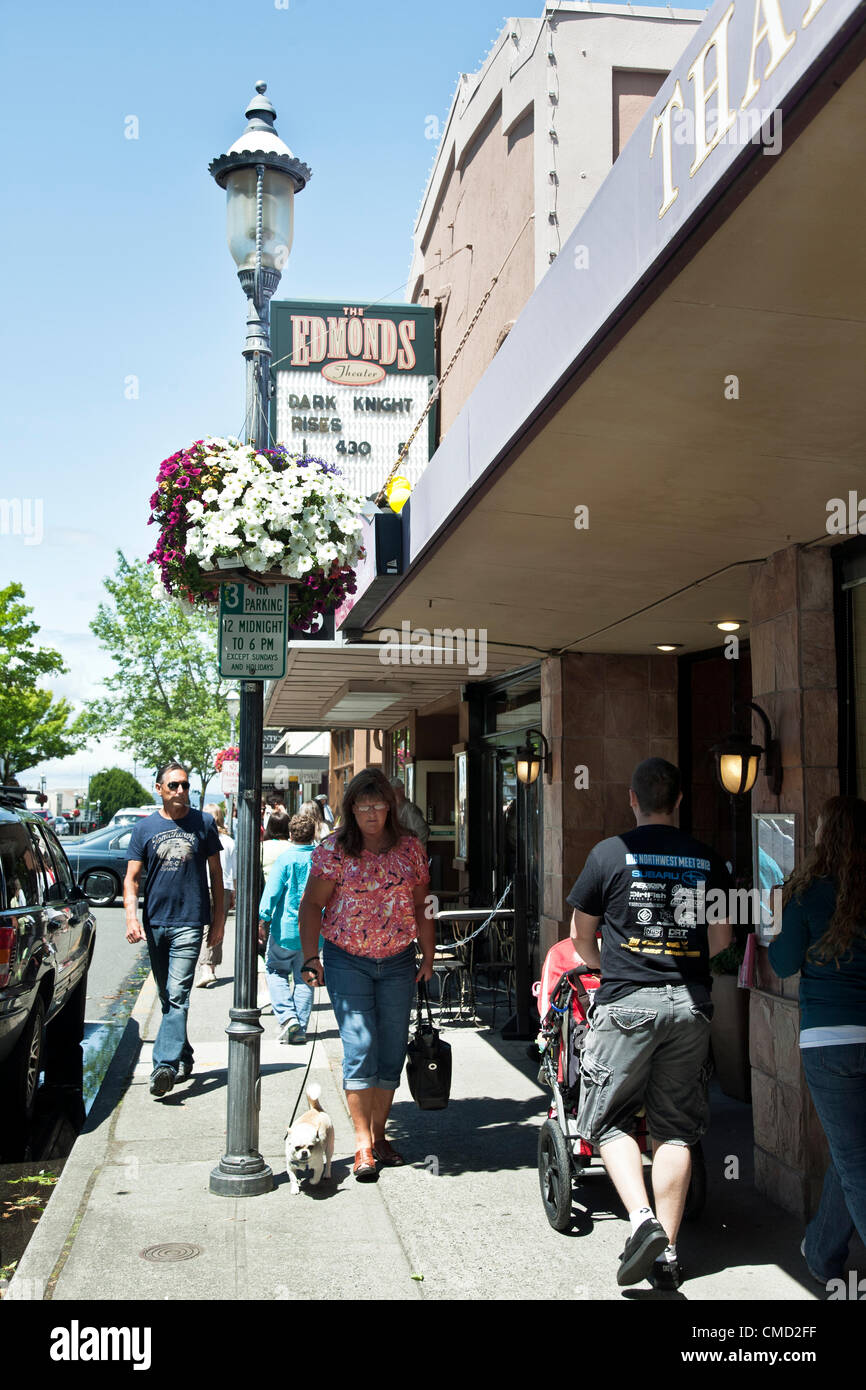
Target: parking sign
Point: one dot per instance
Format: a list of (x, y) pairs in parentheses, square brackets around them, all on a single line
[(254, 624)]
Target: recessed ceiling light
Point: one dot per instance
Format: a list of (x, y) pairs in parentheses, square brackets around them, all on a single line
[(668, 646), (728, 627)]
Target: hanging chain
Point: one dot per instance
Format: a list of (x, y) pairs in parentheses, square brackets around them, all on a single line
[(434, 396)]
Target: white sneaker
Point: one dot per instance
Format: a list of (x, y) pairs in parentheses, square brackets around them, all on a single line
[(206, 977)]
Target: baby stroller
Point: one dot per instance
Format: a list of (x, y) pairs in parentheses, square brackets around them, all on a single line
[(563, 1157)]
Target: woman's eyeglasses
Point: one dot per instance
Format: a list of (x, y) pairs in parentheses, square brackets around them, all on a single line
[(173, 786), (374, 806)]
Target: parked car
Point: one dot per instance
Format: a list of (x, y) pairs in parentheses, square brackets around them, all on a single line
[(47, 936), (99, 862), (128, 815)]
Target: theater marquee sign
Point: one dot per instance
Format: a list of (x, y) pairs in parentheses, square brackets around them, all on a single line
[(351, 382), (723, 97)]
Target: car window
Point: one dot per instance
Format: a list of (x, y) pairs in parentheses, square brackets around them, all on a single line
[(64, 873), (19, 867), (45, 870), (122, 840)]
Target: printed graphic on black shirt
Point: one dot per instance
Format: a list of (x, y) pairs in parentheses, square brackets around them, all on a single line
[(645, 886), (660, 901)]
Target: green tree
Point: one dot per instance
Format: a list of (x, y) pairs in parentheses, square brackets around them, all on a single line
[(113, 788), (165, 698), (33, 725)]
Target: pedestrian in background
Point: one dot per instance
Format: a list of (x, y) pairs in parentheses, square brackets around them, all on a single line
[(211, 956), (370, 881), (314, 809), (177, 847), (823, 937), (291, 996), (410, 816), (276, 839), (327, 813)]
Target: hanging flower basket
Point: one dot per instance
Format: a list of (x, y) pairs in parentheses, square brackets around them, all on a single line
[(226, 755), (228, 513)]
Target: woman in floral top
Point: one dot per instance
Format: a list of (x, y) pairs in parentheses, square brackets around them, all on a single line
[(370, 880)]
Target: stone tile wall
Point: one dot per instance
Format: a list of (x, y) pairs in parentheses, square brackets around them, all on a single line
[(605, 714), (794, 682)]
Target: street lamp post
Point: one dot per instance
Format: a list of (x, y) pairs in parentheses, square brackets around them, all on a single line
[(233, 704), (261, 176)]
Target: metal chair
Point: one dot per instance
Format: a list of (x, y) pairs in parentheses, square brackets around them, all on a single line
[(452, 966), (501, 965)]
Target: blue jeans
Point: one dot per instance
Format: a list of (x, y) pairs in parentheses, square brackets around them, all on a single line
[(836, 1077), (372, 1000), (174, 952), (282, 966)]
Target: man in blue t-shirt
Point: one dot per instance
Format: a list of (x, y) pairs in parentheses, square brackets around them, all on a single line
[(175, 847), (661, 901)]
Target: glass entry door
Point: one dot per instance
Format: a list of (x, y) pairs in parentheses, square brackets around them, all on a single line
[(506, 803)]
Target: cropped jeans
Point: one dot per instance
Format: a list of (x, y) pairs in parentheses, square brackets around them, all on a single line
[(836, 1077), (174, 952), (372, 1000)]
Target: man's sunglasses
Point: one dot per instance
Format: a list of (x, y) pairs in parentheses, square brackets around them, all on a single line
[(173, 786)]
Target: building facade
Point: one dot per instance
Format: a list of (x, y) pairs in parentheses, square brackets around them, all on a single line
[(668, 438)]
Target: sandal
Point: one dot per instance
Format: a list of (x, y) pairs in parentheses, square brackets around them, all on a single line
[(365, 1169), (386, 1155)]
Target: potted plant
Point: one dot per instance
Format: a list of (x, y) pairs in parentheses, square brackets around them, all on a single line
[(229, 512), (730, 1025)]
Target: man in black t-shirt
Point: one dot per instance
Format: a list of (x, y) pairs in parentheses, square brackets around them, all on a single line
[(660, 899), (176, 847)]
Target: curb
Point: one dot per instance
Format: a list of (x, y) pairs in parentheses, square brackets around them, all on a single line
[(42, 1262)]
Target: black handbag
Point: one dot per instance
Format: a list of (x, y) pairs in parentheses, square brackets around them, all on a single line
[(428, 1060)]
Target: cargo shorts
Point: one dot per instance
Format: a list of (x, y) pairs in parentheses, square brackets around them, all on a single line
[(647, 1049)]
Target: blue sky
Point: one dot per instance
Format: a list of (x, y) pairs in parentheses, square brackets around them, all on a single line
[(115, 257)]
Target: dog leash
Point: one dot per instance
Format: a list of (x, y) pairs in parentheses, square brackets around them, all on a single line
[(309, 1064)]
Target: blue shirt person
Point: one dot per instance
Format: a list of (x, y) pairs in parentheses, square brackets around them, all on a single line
[(175, 848), (291, 997)]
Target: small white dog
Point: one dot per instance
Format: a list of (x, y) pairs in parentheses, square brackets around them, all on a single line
[(310, 1143)]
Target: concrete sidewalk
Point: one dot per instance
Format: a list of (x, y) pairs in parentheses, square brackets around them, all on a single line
[(465, 1213)]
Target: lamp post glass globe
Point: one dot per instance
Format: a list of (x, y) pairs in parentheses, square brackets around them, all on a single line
[(278, 201)]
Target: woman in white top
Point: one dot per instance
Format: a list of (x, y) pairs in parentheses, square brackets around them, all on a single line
[(211, 956)]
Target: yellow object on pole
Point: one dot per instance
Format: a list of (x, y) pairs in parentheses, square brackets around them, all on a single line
[(397, 492)]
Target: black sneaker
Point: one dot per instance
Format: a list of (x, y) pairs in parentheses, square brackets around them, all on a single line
[(666, 1275), (636, 1260), (184, 1072), (162, 1081), (297, 1036)]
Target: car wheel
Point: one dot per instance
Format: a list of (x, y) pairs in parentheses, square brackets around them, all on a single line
[(554, 1175), (101, 887), (20, 1078)]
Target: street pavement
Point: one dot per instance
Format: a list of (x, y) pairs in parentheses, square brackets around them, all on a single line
[(463, 1220)]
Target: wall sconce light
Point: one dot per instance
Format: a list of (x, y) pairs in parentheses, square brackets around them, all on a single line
[(737, 758), (530, 762)]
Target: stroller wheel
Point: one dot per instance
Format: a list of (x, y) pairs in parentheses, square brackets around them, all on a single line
[(696, 1196), (554, 1175)]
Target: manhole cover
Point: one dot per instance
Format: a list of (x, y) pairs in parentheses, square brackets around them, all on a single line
[(164, 1254)]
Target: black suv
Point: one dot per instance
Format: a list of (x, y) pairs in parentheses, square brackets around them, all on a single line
[(47, 936)]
